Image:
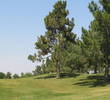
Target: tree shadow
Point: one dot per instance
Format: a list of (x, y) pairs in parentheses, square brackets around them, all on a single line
[(69, 75), (63, 75), (46, 77), (93, 81)]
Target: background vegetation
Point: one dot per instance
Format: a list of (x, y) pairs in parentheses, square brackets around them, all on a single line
[(66, 60), (61, 51)]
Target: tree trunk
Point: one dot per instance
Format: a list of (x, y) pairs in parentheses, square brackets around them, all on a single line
[(58, 70), (106, 75), (95, 69), (72, 69)]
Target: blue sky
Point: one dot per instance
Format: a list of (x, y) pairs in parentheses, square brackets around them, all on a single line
[(21, 21)]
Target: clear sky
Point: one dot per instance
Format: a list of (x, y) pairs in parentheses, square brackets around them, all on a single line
[(21, 21)]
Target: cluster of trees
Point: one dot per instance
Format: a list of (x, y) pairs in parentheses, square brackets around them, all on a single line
[(60, 50)]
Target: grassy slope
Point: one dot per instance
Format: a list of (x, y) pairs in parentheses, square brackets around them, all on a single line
[(79, 88)]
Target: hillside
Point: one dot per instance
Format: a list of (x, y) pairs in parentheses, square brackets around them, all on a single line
[(81, 87)]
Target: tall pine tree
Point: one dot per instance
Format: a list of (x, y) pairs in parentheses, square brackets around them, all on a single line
[(59, 34)]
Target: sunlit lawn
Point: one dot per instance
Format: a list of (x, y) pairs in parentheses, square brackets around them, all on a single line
[(81, 87)]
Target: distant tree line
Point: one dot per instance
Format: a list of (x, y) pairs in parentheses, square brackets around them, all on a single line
[(60, 50), (9, 75)]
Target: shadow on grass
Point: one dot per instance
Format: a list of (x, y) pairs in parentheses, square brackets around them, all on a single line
[(63, 75), (46, 77), (93, 81)]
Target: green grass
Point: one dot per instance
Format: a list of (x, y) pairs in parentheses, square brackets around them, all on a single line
[(82, 87)]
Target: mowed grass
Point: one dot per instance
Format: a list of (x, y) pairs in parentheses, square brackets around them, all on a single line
[(82, 87)]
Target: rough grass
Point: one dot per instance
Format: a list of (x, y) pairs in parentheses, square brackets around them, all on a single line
[(46, 87)]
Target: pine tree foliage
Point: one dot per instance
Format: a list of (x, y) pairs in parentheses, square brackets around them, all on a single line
[(59, 32), (60, 51), (102, 20)]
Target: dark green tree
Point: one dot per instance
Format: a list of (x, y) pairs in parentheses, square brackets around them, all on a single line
[(102, 25), (15, 76)]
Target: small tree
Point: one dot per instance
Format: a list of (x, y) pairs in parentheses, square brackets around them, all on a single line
[(8, 75)]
